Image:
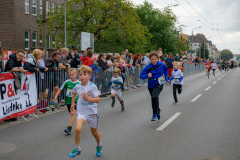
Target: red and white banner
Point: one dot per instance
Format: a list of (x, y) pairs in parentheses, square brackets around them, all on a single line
[(14, 102)]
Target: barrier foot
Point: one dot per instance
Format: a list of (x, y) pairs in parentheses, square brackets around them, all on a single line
[(24, 118), (35, 115)]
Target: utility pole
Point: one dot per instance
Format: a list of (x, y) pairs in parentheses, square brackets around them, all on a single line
[(44, 27), (65, 25), (204, 47)]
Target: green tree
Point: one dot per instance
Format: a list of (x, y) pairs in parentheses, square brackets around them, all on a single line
[(114, 23), (161, 25), (226, 54), (200, 51), (238, 57), (183, 45)]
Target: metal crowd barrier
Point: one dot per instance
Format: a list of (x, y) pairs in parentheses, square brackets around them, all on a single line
[(193, 68), (53, 80)]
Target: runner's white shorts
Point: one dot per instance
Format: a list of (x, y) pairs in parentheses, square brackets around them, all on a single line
[(117, 92), (91, 119)]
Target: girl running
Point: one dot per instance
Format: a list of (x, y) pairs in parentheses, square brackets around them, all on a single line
[(214, 65)]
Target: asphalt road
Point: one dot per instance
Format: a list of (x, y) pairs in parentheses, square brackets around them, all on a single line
[(203, 126)]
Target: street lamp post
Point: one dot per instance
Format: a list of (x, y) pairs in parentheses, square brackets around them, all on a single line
[(192, 40), (65, 25)]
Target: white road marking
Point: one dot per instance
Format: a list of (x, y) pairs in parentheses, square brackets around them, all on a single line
[(208, 88), (164, 125), (223, 76), (215, 82), (196, 98), (219, 78)]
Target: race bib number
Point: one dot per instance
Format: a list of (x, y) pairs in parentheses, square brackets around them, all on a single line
[(69, 93), (116, 86), (161, 80), (175, 81)]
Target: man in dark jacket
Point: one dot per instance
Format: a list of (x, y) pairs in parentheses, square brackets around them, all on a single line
[(52, 65), (75, 59), (14, 64)]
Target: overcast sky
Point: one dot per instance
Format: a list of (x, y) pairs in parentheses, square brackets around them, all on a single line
[(223, 16)]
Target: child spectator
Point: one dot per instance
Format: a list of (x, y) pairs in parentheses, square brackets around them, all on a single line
[(86, 108), (87, 60), (69, 85), (177, 77), (116, 83)]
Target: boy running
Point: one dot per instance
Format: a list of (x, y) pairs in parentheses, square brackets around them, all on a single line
[(116, 83), (69, 85), (208, 67), (86, 109), (177, 77), (214, 66)]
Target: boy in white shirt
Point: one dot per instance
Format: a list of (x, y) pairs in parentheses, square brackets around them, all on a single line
[(214, 65), (86, 108), (177, 77), (116, 82)]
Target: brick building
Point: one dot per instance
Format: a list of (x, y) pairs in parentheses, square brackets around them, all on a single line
[(18, 26)]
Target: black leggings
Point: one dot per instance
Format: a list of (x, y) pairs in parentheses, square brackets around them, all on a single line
[(175, 88), (154, 92)]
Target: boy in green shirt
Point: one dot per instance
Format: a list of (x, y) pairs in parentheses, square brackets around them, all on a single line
[(69, 85)]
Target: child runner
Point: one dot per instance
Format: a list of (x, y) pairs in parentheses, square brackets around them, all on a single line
[(154, 72), (214, 65), (208, 67), (116, 83), (69, 85), (86, 108), (177, 77)]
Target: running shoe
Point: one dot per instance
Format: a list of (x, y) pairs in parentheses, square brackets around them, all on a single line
[(68, 131), (169, 83), (113, 103), (154, 117), (158, 114), (75, 152), (176, 102), (99, 151)]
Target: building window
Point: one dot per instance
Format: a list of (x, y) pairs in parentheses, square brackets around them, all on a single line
[(53, 41), (40, 7), (27, 6), (48, 7), (40, 40), (26, 39), (195, 44), (34, 40), (53, 7), (190, 44), (34, 7)]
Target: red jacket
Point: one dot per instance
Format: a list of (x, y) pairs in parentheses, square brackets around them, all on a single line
[(86, 61)]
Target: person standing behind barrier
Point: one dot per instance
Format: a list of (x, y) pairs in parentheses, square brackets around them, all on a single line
[(86, 108), (154, 72), (177, 77), (116, 82), (169, 65), (52, 65), (110, 64), (1, 57), (88, 59), (42, 68), (32, 61), (64, 62), (101, 62), (74, 57), (69, 85), (14, 64)]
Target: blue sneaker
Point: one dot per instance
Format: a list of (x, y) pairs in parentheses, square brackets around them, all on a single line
[(67, 131), (75, 152), (99, 151), (154, 117), (169, 83), (158, 114)]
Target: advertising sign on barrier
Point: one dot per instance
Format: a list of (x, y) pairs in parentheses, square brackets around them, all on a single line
[(14, 102)]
